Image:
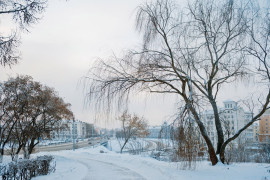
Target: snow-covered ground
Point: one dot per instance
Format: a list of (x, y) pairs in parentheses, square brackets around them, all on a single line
[(100, 163), (115, 145)]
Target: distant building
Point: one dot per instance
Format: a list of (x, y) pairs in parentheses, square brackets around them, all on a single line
[(233, 118), (264, 127), (154, 131), (90, 130), (249, 132), (80, 129), (255, 132), (163, 131), (62, 132), (65, 130)]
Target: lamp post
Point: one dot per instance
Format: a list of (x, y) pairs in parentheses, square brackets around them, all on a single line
[(92, 135), (73, 130)]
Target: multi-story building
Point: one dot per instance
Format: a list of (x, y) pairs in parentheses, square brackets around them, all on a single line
[(233, 118), (79, 129), (62, 131), (264, 127), (163, 131), (255, 132), (90, 130), (154, 131), (248, 133), (65, 130)]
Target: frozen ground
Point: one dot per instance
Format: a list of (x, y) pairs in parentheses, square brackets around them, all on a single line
[(99, 163)]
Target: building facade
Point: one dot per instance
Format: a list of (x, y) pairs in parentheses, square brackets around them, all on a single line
[(233, 117), (256, 132), (154, 131), (264, 127), (65, 130)]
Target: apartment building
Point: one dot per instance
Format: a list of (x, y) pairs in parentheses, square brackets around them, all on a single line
[(264, 127), (255, 132), (65, 130), (233, 118)]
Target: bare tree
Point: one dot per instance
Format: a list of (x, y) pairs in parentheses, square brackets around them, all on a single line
[(12, 107), (191, 53), (132, 127), (24, 13), (258, 49)]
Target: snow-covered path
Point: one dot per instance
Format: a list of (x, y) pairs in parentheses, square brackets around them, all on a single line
[(100, 170), (101, 164), (90, 164)]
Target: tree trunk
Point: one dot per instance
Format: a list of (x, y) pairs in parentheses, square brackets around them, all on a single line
[(211, 149), (31, 146), (19, 149), (123, 145), (222, 153), (25, 153), (17, 152), (16, 157), (220, 134), (1, 154)]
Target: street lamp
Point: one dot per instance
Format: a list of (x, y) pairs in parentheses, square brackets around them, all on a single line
[(73, 130), (92, 135)]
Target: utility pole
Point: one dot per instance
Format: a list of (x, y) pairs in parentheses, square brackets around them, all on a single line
[(73, 128), (92, 135)]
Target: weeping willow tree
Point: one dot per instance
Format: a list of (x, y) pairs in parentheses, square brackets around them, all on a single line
[(190, 52), (23, 13)]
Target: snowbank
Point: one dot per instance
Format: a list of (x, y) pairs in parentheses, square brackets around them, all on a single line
[(69, 165)]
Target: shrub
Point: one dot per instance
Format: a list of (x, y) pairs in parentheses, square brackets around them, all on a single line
[(25, 169)]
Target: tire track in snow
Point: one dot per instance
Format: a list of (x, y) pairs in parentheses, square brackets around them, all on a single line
[(99, 170)]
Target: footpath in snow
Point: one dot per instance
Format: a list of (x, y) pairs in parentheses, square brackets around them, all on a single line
[(99, 163)]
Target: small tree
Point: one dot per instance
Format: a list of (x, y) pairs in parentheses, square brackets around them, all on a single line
[(132, 126)]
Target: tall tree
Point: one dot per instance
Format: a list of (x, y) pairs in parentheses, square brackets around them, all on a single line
[(30, 111), (191, 52)]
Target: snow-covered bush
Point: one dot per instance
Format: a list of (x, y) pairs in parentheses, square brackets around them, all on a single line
[(27, 168)]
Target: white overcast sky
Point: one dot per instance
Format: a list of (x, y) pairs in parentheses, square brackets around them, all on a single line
[(60, 49)]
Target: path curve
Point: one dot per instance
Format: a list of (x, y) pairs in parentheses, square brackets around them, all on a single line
[(100, 170)]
